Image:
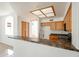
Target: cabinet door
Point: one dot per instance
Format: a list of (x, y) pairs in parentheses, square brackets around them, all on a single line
[(59, 25), (68, 20), (52, 26), (45, 23)]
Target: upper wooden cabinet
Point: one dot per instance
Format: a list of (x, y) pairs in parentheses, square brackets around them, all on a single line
[(68, 20), (52, 26), (57, 25)]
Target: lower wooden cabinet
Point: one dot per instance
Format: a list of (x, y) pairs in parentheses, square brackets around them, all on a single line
[(53, 38)]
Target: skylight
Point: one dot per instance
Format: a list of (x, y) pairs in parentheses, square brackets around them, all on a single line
[(41, 16), (45, 12), (38, 12), (49, 14)]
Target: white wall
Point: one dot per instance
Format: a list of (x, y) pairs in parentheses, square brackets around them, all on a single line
[(0, 28), (29, 18), (75, 24), (15, 29), (5, 8), (5, 11)]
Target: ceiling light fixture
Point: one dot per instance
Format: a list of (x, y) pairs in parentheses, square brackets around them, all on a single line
[(45, 12)]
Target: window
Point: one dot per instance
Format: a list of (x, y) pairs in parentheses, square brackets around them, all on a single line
[(34, 28), (9, 25)]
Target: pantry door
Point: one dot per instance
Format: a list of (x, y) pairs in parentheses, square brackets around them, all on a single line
[(24, 30)]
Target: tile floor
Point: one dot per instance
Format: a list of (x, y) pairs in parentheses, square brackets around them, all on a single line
[(20, 48), (5, 50)]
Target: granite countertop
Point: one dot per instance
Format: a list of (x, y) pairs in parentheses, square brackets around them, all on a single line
[(59, 32)]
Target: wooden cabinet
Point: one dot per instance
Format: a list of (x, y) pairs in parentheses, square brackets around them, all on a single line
[(56, 25), (60, 25), (45, 24), (52, 26), (53, 38), (68, 20)]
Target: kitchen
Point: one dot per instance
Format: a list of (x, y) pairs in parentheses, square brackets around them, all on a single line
[(58, 33), (52, 25)]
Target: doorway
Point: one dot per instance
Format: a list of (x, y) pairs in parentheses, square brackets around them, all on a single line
[(24, 30)]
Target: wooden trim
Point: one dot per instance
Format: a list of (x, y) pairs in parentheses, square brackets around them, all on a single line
[(53, 10), (28, 29), (43, 13), (68, 19), (68, 10)]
